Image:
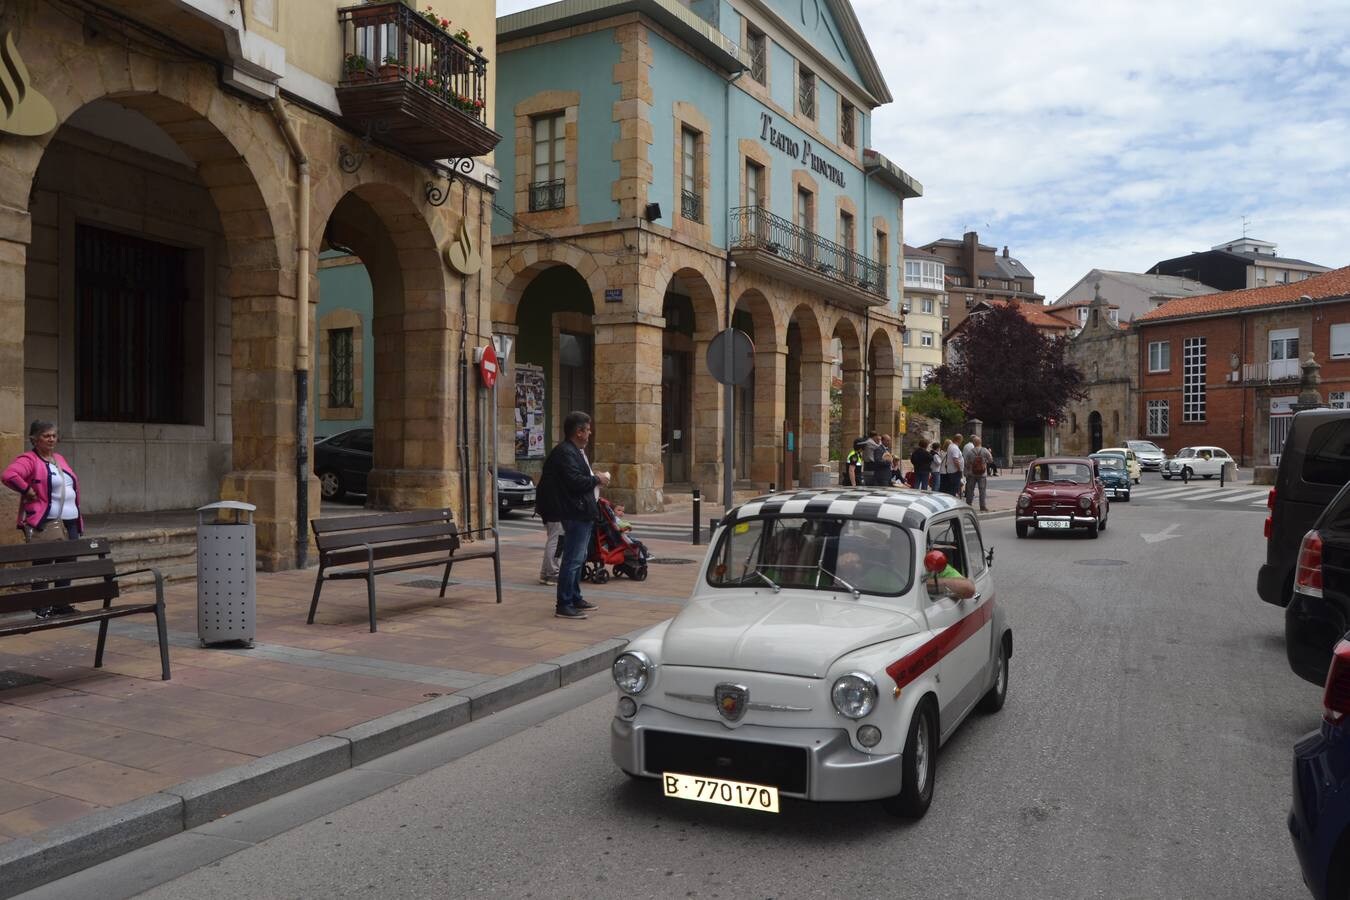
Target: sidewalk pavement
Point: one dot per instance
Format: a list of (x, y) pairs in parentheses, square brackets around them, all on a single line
[(100, 761)]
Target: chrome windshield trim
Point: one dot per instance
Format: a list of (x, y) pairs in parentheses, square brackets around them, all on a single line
[(762, 707)]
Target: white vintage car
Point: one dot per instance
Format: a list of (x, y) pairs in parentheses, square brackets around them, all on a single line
[(1192, 461), (835, 639)]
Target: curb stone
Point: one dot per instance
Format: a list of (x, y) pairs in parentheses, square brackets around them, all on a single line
[(30, 862)]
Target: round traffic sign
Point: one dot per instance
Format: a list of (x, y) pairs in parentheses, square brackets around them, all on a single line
[(742, 357), (487, 365)]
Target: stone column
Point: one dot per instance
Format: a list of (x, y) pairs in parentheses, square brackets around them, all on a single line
[(706, 446), (628, 408), (262, 409), (15, 235), (886, 397), (975, 428), (813, 431), (770, 408), (852, 424), (1009, 434)]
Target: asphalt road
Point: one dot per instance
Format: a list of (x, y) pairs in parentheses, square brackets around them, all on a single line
[(1144, 752)]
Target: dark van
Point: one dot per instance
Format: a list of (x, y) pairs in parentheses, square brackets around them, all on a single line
[(1313, 467), (1319, 614)]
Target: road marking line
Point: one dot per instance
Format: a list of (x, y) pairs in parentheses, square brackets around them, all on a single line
[(1208, 493), (1245, 495), (1167, 492)]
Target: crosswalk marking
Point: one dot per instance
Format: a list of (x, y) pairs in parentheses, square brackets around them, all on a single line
[(1245, 495), (1209, 494), (1166, 492)]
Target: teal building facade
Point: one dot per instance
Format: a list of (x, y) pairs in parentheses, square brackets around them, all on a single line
[(670, 169)]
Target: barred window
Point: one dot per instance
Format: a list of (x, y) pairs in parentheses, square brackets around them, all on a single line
[(1158, 415), (848, 116), (758, 47), (341, 362), (806, 92), (1193, 379)]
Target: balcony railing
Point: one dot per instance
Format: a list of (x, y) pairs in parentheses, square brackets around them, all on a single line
[(546, 195), (1273, 370), (691, 206), (413, 84), (755, 228)]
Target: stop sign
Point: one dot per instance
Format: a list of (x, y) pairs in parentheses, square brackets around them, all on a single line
[(487, 365)]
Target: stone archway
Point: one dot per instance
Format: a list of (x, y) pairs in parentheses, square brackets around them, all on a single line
[(1095, 431), (759, 403), (885, 382), (691, 399), (238, 240), (418, 444), (807, 389), (850, 372)]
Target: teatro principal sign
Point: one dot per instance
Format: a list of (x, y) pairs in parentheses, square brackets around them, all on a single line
[(800, 151)]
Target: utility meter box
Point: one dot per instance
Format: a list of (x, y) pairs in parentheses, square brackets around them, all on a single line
[(226, 573)]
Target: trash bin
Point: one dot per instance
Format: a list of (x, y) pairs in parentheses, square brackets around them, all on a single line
[(820, 475), (226, 574)]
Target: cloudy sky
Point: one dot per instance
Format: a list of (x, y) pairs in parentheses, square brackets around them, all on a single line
[(1116, 133)]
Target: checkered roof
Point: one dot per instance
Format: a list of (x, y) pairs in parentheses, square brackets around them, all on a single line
[(910, 509)]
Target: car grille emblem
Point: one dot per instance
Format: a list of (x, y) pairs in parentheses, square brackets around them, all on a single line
[(732, 701)]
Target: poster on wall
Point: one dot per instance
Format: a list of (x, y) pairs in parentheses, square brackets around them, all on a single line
[(530, 399)]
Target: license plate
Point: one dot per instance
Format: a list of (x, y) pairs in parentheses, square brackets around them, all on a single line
[(1052, 523), (529, 498), (760, 797)]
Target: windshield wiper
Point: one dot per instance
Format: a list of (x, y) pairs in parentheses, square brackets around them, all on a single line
[(767, 580), (856, 593)]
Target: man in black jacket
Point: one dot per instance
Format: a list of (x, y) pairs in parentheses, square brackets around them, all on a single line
[(568, 489)]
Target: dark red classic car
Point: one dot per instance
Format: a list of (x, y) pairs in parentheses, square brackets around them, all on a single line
[(1062, 493)]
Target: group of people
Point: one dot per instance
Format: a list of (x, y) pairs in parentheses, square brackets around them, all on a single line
[(951, 467), (872, 462)]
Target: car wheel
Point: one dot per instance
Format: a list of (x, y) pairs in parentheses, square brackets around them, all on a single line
[(330, 485), (918, 766), (1186, 475), (1021, 529), (997, 694), (1166, 477), (1092, 530), (1126, 498)]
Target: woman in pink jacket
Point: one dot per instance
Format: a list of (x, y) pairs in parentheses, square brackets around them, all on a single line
[(49, 494)]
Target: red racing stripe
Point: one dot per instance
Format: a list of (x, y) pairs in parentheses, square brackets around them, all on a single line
[(919, 660)]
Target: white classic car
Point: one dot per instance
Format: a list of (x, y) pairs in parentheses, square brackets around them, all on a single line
[(1192, 461), (834, 640)]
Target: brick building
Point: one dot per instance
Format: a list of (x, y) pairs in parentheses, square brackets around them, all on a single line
[(977, 272), (1223, 368)]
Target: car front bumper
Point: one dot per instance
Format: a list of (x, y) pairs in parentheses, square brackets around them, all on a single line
[(1151, 465), (834, 769), (515, 499), (1117, 491), (1074, 521)]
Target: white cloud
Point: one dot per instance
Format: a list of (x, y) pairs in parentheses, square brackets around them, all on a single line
[(1116, 133)]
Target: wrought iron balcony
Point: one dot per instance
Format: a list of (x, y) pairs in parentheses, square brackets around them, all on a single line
[(545, 195), (783, 248), (409, 83), (691, 206)]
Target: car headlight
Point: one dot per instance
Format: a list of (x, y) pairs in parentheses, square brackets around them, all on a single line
[(854, 695), (631, 670), (1085, 501), (504, 485), (1024, 500)]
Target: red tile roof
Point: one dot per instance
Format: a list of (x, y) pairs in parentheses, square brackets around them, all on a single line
[(1333, 285), (1036, 314)]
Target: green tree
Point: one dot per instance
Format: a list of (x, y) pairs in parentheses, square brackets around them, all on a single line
[(934, 404)]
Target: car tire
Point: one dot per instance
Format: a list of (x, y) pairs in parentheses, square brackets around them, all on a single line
[(997, 695), (1021, 529), (1102, 526), (331, 486), (1093, 530), (1186, 474), (1208, 477), (918, 765), (1166, 477)]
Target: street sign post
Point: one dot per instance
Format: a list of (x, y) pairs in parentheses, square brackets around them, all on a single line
[(731, 358)]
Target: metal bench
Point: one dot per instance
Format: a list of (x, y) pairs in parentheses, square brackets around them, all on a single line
[(66, 573), (345, 541)]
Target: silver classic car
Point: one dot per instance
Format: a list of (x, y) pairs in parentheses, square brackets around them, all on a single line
[(835, 639)]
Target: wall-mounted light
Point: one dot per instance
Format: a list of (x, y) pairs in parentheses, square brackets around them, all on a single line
[(652, 212)]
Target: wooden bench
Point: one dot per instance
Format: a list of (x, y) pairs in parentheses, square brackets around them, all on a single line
[(66, 573), (344, 541)]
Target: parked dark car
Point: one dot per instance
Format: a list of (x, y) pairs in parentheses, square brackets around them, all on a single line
[(1062, 493), (343, 463), (1314, 465), (1319, 820), (1319, 612), (1114, 474)]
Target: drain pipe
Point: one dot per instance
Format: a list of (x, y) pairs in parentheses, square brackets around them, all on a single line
[(301, 333)]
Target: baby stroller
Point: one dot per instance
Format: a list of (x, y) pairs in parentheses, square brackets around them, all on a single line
[(613, 546)]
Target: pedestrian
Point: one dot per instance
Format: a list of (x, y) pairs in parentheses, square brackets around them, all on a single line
[(854, 464), (922, 461), (548, 567), (941, 464), (567, 493), (49, 496), (881, 461), (954, 466), (935, 467), (977, 460)]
